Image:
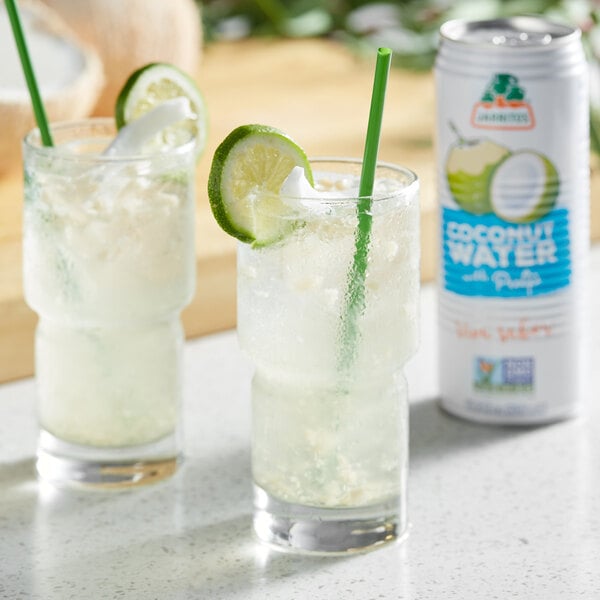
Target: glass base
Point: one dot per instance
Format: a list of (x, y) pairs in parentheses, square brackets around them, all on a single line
[(330, 531), (61, 462)]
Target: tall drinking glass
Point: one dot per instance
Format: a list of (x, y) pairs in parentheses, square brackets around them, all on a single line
[(109, 263), (330, 408)]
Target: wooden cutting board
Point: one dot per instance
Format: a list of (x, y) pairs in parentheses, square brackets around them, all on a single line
[(316, 90)]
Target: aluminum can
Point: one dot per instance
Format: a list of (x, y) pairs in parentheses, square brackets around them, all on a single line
[(513, 185)]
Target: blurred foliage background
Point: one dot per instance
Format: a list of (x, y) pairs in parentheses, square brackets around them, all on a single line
[(409, 27)]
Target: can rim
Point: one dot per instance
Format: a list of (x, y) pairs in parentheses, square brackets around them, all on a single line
[(560, 33)]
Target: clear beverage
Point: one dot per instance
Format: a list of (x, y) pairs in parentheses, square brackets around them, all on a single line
[(513, 172), (109, 262), (329, 442)]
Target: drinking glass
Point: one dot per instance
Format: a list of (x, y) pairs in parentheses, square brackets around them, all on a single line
[(329, 399), (109, 263)]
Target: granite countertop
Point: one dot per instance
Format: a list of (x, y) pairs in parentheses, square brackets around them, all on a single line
[(495, 512)]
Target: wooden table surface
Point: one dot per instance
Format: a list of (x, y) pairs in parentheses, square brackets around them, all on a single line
[(316, 90)]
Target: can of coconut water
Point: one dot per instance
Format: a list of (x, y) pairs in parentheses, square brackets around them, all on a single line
[(513, 175)]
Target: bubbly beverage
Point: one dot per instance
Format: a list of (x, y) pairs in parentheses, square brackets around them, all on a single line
[(513, 173), (329, 442), (109, 262)]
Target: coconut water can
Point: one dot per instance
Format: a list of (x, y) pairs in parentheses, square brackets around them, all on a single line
[(513, 184)]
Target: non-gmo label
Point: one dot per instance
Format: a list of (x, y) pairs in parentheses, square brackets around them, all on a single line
[(484, 255), (514, 374)]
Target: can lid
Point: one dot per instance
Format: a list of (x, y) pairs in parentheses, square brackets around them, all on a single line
[(512, 32)]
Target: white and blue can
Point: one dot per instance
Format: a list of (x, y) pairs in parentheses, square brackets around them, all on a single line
[(513, 184)]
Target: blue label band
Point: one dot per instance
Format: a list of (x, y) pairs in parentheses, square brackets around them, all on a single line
[(486, 256)]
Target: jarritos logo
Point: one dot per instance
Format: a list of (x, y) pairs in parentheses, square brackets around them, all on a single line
[(503, 106)]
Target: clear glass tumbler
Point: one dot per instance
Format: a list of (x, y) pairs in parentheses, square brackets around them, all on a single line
[(109, 263), (329, 399)]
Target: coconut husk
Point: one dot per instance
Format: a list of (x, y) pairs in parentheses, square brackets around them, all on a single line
[(129, 34)]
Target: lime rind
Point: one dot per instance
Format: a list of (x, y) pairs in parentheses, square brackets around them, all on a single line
[(247, 172), (152, 85)]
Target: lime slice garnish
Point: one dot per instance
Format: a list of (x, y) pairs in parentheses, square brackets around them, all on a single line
[(246, 174), (154, 84)]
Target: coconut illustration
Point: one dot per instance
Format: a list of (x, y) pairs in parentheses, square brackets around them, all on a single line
[(469, 169), (524, 187)]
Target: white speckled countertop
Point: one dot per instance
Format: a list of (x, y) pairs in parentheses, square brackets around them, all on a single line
[(495, 512)]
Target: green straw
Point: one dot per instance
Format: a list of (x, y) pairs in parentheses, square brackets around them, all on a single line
[(355, 294), (36, 99)]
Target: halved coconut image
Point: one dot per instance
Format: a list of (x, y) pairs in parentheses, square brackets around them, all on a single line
[(469, 170), (524, 187), (69, 74)]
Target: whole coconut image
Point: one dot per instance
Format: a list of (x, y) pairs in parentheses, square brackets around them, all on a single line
[(469, 169)]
